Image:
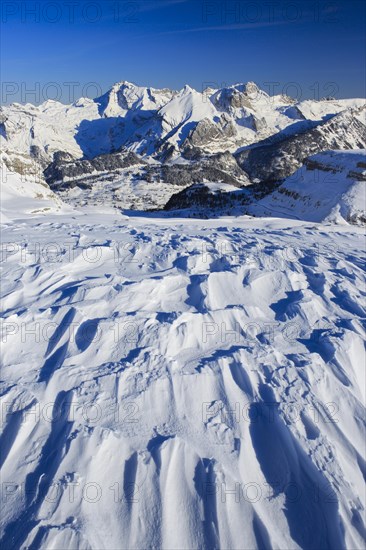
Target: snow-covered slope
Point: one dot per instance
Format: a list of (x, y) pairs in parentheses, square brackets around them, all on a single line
[(331, 186), (25, 193), (317, 110), (182, 384)]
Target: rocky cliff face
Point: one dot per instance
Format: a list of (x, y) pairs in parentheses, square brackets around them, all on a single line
[(221, 167), (207, 134), (3, 119), (281, 156), (65, 170)]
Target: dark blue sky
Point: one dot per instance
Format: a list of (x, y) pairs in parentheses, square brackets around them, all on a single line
[(305, 48)]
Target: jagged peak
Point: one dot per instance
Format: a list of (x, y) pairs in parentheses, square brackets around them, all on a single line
[(83, 102), (187, 89), (250, 85), (125, 84)]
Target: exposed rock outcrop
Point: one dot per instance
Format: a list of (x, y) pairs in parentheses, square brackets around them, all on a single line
[(206, 132), (221, 167), (64, 167), (281, 156)]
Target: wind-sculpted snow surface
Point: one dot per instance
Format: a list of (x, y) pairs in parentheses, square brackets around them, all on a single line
[(182, 384)]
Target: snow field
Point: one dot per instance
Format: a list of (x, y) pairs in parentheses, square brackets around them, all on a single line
[(181, 383)]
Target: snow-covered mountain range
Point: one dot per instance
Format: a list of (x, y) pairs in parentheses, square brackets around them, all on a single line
[(161, 122), (134, 147)]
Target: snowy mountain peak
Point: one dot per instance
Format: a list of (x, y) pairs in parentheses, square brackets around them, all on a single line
[(125, 96), (187, 89), (83, 102), (124, 83), (49, 103), (251, 88)]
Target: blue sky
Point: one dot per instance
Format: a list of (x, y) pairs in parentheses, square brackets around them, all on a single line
[(305, 48)]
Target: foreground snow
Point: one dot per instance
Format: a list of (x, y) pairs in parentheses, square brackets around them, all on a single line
[(181, 384)]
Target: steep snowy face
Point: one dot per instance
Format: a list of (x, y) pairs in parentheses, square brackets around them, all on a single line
[(188, 104), (181, 384), (256, 114), (183, 112), (330, 187)]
